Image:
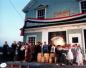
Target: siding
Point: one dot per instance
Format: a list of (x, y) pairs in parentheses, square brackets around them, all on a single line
[(54, 6), (38, 34)]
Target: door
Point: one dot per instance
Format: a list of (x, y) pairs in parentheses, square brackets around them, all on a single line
[(75, 39)]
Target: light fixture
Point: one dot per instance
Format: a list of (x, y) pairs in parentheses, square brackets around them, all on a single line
[(3, 65)]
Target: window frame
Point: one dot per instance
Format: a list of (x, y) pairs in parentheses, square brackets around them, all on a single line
[(80, 5), (41, 9), (31, 36)]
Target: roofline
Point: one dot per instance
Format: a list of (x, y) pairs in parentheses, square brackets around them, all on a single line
[(27, 6), (71, 22), (79, 15)]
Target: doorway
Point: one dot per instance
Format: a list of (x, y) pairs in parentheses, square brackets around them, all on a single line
[(54, 34)]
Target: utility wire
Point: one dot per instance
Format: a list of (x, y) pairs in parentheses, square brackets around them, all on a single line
[(15, 9)]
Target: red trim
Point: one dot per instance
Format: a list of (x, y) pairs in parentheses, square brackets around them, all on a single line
[(56, 18), (22, 32)]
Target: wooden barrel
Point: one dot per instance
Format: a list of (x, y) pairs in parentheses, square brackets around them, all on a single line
[(52, 58), (39, 57), (42, 59), (52, 55), (46, 57)]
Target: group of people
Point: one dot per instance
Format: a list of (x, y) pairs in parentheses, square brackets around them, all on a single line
[(69, 54), (12, 53), (66, 54)]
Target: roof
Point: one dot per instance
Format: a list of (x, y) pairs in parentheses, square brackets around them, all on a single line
[(29, 5)]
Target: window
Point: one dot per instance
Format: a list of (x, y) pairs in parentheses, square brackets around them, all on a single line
[(75, 40), (41, 13), (83, 6), (32, 39)]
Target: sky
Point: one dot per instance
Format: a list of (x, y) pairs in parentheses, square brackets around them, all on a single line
[(11, 20)]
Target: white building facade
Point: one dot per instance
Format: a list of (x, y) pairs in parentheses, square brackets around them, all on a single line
[(46, 19)]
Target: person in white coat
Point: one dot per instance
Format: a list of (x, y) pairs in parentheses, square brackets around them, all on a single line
[(69, 56), (79, 57)]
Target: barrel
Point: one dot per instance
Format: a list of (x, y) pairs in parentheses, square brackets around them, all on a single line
[(46, 57), (40, 57), (52, 58), (52, 55)]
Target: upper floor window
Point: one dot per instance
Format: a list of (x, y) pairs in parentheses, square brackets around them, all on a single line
[(41, 13), (83, 6)]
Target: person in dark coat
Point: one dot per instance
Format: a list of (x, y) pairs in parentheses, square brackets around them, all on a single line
[(19, 56), (38, 47), (13, 50), (61, 55), (22, 51), (49, 47), (45, 48), (37, 50), (5, 51)]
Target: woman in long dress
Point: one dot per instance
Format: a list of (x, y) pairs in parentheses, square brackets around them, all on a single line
[(79, 57), (69, 56), (28, 54)]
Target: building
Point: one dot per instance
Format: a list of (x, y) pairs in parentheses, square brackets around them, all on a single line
[(45, 19)]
